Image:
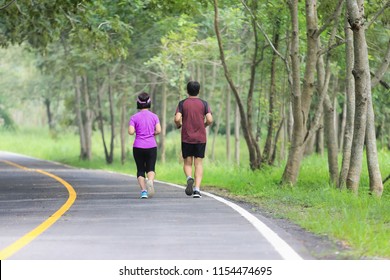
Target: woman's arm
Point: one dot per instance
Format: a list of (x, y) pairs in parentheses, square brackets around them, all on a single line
[(157, 130), (131, 130)]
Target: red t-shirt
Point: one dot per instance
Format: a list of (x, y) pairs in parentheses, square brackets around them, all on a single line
[(193, 111)]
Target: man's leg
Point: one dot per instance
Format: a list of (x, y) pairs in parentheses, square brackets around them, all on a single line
[(198, 172), (198, 176), (187, 167)]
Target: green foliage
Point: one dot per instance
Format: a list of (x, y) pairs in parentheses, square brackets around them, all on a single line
[(6, 121), (101, 30), (38, 22), (169, 7)]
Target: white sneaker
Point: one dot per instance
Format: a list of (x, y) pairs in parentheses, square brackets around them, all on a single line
[(196, 194), (150, 188)]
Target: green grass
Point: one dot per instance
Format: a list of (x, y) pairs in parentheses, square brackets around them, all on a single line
[(361, 222)]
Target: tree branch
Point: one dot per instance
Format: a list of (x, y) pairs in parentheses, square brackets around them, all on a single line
[(333, 17), (387, 5), (385, 180), (284, 59), (382, 68), (7, 5), (262, 30), (381, 82), (223, 61), (330, 48)]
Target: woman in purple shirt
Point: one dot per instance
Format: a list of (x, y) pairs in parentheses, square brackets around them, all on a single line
[(145, 125)]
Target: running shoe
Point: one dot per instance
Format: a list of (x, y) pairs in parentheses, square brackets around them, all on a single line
[(190, 184), (144, 194), (196, 194), (150, 188)]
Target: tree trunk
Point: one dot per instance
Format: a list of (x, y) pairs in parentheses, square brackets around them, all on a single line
[(123, 120), (123, 130), (330, 126), (267, 152), (255, 159), (274, 149), (376, 185), (101, 123), (237, 122), (320, 139), (49, 114), (363, 127), (290, 122), (350, 106), (108, 153), (310, 146), (112, 121), (343, 121), (284, 143), (331, 140), (364, 114), (227, 116), (216, 129), (88, 117), (301, 102), (79, 116), (163, 123)]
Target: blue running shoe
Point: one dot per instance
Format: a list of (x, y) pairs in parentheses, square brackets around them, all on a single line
[(144, 194)]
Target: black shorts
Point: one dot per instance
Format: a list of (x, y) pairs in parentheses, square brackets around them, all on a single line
[(145, 159), (193, 150)]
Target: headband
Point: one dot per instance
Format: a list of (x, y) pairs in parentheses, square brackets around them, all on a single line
[(143, 102)]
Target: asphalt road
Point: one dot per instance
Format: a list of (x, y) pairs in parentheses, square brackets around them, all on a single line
[(49, 211)]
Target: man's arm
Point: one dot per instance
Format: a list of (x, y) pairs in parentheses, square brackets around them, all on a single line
[(209, 119), (177, 120)]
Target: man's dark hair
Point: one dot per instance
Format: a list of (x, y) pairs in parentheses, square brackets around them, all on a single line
[(193, 88), (143, 101)]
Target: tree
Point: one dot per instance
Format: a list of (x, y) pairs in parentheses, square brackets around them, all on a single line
[(364, 124), (350, 105), (324, 73), (301, 99), (245, 117)]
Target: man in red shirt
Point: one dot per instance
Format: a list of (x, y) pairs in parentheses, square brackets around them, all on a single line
[(193, 115)]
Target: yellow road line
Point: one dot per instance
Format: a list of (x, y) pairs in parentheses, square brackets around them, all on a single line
[(26, 239)]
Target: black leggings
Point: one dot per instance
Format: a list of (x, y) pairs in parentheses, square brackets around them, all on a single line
[(145, 159)]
